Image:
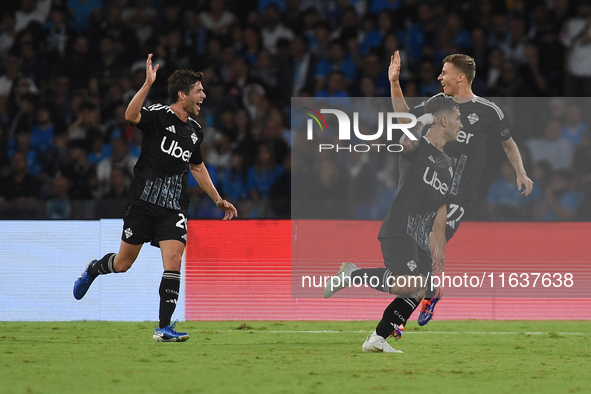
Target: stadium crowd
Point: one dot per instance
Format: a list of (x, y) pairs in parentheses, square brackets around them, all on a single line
[(68, 69)]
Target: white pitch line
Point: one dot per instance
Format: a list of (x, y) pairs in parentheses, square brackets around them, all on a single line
[(415, 332)]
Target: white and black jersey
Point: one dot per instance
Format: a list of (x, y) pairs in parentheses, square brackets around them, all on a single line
[(481, 119), (168, 146), (425, 180)]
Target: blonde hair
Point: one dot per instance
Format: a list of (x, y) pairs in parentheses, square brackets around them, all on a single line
[(464, 63)]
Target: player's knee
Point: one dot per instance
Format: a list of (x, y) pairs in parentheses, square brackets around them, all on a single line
[(173, 262), (403, 290)]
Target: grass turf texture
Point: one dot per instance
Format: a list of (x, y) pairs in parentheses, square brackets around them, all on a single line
[(285, 357)]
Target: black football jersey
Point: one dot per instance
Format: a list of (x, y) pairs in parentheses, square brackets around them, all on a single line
[(481, 119), (168, 146), (425, 179)]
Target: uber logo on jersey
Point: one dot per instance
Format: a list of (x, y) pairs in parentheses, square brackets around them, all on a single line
[(464, 137), (435, 182), (175, 150)]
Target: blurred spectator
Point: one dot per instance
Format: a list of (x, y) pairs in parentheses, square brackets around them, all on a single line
[(461, 40), (514, 47), (244, 140), (275, 134), (172, 16), (60, 36), (109, 66), (321, 41), (263, 173), (274, 29), (19, 190), (298, 72), (494, 69), (80, 172), (252, 44), (44, 130), (427, 83), (194, 34), (120, 157), (375, 32), (98, 150), (217, 19), (510, 82), (31, 11), (88, 118), (34, 64), (24, 116), (561, 199), (363, 183), (7, 34), (233, 182), (498, 30), (326, 196), (552, 147), (421, 37), (58, 205), (124, 38), (505, 201), (79, 64), (84, 12), (335, 86), (374, 69), (22, 143), (576, 37), (574, 128), (4, 159), (220, 152), (113, 203), (337, 61), (536, 78), (141, 18), (11, 68), (265, 72)]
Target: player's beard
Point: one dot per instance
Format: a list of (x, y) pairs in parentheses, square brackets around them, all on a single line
[(193, 110)]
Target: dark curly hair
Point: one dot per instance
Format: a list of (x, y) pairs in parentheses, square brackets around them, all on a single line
[(182, 81)]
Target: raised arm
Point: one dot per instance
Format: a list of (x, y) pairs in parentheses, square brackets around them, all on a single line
[(398, 102), (202, 177), (512, 152), (408, 144), (132, 113)]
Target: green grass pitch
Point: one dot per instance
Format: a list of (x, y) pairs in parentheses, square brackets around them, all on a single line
[(295, 357)]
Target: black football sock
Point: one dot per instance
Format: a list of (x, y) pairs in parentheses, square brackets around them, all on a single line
[(169, 294), (103, 266), (395, 314), (376, 278)]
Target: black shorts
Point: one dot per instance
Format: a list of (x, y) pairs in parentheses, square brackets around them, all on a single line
[(151, 223), (456, 212), (402, 256)]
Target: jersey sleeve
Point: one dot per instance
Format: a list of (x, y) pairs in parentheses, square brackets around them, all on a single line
[(196, 157), (418, 110), (498, 124), (147, 120)]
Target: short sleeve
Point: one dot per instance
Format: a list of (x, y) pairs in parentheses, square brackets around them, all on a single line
[(147, 120), (196, 157), (498, 126)]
